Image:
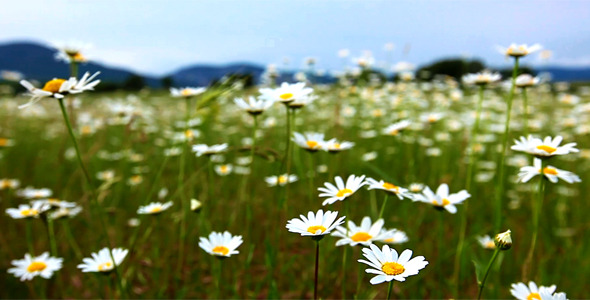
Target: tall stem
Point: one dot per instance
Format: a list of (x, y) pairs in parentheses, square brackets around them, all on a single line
[(389, 289), (483, 282), (463, 226), (183, 204), (500, 176), (29, 235), (527, 266), (383, 206), (525, 99), (317, 267)]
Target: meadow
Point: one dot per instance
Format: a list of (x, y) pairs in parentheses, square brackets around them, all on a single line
[(137, 148)]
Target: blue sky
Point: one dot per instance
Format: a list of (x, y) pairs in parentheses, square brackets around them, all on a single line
[(158, 37)]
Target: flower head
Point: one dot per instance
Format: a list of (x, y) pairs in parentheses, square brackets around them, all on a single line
[(487, 242), (341, 191), (503, 240), (442, 199), (310, 141), (315, 225), (393, 236), (58, 88), (387, 265), (286, 92), (254, 106), (335, 146), (223, 170), (102, 261), (396, 128), (526, 80), (32, 193), (29, 267), (71, 51), (28, 211), (523, 292), (545, 148), (9, 183), (400, 192), (221, 244), (187, 92), (202, 149), (154, 208), (515, 50), (550, 172), (364, 234), (280, 180), (482, 78)]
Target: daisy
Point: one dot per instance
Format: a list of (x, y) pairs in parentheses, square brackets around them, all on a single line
[(364, 234), (387, 265), (202, 149), (4, 142), (221, 244), (550, 172), (303, 101), (400, 192), (482, 78), (522, 292), (223, 170), (63, 212), (334, 146), (9, 184), (526, 80), (286, 92), (341, 191), (102, 261), (32, 193), (196, 205), (154, 208), (27, 211), (29, 267), (393, 236), (71, 51), (515, 50), (395, 128), (543, 148), (431, 117), (58, 88), (442, 199), (547, 294), (254, 106), (54, 203), (106, 175), (187, 92), (310, 141), (487, 242), (315, 225), (280, 180)]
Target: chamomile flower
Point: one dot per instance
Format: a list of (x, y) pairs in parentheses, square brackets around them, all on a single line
[(9, 184), (545, 148), (196, 205), (33, 193), (335, 146), (395, 128), (187, 92), (486, 241), (341, 191), (54, 203), (30, 267), (442, 199), (310, 141), (526, 80), (315, 225), (102, 260), (280, 180), (71, 51), (524, 292), (400, 192), (254, 106), (515, 50), (28, 211), (4, 142), (58, 88), (547, 294), (223, 170), (364, 234), (221, 244), (106, 175), (202, 149), (63, 212), (154, 208), (388, 266), (393, 236), (286, 92), (550, 172), (482, 78)]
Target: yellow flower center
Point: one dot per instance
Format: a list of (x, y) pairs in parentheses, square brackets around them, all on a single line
[(550, 171), (3, 142), (286, 96), (78, 57), (532, 296), (336, 146), (390, 240), (53, 86), (189, 134), (432, 119), (390, 186), (223, 169), (490, 245), (29, 212), (221, 250), (315, 228), (361, 237), (392, 268), (105, 267), (185, 92), (36, 266), (136, 179), (282, 179), (394, 132), (344, 192), (445, 201), (312, 144), (86, 129), (546, 148), (156, 209)]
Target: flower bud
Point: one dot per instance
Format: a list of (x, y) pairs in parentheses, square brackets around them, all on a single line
[(196, 205), (503, 240)]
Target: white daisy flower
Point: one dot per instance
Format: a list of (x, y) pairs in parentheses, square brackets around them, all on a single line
[(334, 146), (387, 265), (523, 292), (393, 236), (154, 208), (310, 141), (286, 92), (4, 142), (400, 192), (58, 88), (550, 172), (28, 211), (364, 234), (280, 180), (106, 175), (515, 50), (341, 191), (102, 261), (71, 51), (303, 101), (543, 148), (63, 212), (486, 241), (9, 184), (315, 225), (202, 149), (223, 170), (526, 80), (85, 83), (547, 294), (482, 78), (29, 267), (32, 193), (54, 203), (187, 92), (396, 128), (254, 106), (442, 199), (221, 244), (431, 117)]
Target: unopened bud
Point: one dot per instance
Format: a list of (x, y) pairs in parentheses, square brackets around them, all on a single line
[(503, 240), (196, 205)]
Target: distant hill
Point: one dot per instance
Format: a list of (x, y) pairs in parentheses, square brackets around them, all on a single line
[(567, 74)]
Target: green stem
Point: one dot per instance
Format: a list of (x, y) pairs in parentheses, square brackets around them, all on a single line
[(463, 225), (51, 234), (345, 254), (483, 282), (389, 290), (72, 240), (74, 69), (527, 266), (29, 234), (311, 178), (383, 206), (526, 111), (183, 200), (69, 125), (500, 176), (317, 267)]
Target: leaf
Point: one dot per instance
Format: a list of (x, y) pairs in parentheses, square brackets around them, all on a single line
[(480, 270)]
